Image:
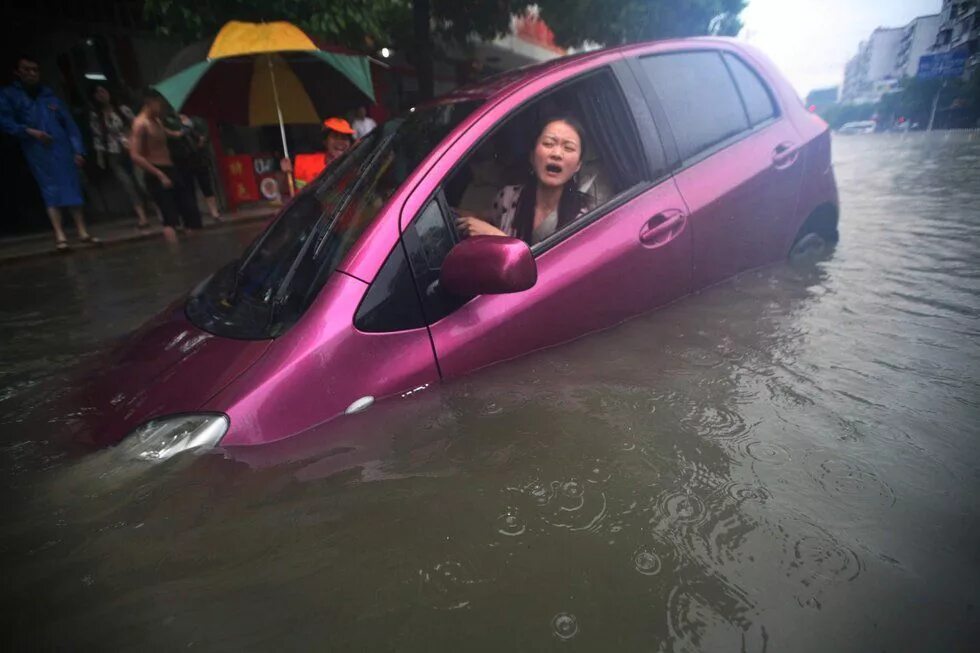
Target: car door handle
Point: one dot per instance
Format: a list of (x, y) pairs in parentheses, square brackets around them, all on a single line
[(662, 228), (785, 154)]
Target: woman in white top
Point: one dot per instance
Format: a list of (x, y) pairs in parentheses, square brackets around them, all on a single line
[(550, 200), (110, 124)]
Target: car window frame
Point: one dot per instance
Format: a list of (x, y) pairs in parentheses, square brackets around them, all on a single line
[(631, 97), (777, 110), (660, 115), (646, 130), (654, 142)]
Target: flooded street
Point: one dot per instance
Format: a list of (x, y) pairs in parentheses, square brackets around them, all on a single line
[(788, 461)]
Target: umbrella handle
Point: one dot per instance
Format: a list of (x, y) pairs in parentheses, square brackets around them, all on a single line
[(282, 127)]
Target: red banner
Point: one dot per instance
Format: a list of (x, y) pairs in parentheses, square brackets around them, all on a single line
[(239, 178)]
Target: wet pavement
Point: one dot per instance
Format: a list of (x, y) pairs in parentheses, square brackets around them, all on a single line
[(15, 249), (786, 462)]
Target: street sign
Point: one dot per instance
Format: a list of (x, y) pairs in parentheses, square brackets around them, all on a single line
[(942, 65)]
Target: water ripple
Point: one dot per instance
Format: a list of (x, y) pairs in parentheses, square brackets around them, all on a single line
[(853, 481)]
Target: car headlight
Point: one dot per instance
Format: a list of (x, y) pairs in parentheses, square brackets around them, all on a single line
[(164, 437)]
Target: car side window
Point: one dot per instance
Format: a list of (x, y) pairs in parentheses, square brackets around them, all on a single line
[(406, 293), (758, 100), (699, 97), (391, 303), (489, 181), (428, 240)]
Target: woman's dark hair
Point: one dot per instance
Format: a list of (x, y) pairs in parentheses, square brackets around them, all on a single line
[(572, 201), (93, 89), (97, 109)]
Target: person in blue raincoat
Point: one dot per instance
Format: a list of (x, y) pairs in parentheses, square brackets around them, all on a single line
[(51, 142)]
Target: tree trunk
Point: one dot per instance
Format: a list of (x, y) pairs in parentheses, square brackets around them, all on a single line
[(421, 15)]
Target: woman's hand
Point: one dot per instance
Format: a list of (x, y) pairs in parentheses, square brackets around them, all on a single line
[(470, 226), (165, 181)]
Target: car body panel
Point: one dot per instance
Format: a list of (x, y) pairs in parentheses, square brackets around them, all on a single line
[(741, 204), (167, 366), (580, 288), (318, 368)]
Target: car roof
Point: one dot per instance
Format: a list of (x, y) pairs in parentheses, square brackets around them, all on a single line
[(503, 83)]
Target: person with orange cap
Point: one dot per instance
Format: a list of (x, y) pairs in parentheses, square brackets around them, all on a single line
[(337, 138)]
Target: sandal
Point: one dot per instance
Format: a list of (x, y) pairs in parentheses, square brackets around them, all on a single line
[(90, 240), (62, 246)]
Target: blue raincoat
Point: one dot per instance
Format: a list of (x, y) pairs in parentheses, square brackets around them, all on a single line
[(53, 164)]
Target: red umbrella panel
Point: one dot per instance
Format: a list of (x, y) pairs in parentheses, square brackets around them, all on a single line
[(226, 93)]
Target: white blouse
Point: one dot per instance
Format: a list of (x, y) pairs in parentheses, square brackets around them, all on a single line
[(505, 208)]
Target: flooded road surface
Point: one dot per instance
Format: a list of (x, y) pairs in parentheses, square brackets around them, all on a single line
[(787, 462)]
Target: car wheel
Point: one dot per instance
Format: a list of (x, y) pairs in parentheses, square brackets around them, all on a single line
[(808, 247)]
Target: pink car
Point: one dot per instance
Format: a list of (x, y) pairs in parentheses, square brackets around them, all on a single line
[(684, 162)]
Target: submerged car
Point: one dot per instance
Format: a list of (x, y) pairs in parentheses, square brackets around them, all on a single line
[(858, 127), (698, 159)]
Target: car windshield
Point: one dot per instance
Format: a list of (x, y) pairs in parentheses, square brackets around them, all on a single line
[(265, 291)]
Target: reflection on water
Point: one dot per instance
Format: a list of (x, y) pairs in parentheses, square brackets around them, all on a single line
[(787, 461)]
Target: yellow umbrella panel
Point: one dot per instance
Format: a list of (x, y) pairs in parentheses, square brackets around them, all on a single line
[(273, 77), (238, 38)]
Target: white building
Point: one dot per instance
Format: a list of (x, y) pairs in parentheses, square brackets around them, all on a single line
[(889, 54), (917, 40), (873, 71)]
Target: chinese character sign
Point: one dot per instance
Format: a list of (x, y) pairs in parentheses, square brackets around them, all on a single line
[(239, 179)]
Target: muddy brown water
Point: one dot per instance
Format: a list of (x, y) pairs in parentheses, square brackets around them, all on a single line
[(789, 461)]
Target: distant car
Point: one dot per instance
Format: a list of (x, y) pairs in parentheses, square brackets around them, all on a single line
[(858, 127), (699, 161)]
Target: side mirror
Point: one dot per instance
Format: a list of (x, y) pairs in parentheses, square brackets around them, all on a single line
[(488, 265)]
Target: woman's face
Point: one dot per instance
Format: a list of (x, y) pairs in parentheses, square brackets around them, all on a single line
[(336, 144), (557, 155), (102, 95)]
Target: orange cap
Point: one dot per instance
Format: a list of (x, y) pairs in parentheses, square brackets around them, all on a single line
[(338, 125)]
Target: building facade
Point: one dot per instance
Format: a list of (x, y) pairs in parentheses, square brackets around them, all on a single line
[(960, 28), (918, 39), (873, 71)]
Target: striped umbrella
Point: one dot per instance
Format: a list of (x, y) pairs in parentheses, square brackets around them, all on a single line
[(266, 74)]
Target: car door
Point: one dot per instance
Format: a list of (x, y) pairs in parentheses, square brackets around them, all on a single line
[(738, 158), (625, 257)]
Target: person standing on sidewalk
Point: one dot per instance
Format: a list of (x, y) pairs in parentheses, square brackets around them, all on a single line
[(110, 124), (165, 183), (363, 124), (52, 145), (188, 147)]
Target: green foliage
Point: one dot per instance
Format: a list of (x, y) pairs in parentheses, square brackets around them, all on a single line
[(612, 22), (355, 23), (361, 23)]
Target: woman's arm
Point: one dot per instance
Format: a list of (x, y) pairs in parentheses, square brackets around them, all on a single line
[(467, 225), (471, 225)]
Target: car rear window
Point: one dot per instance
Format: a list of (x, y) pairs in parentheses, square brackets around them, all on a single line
[(758, 100), (699, 97)]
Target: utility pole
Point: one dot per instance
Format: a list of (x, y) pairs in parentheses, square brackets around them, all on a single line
[(935, 103)]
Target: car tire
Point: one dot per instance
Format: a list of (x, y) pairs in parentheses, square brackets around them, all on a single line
[(808, 247)]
